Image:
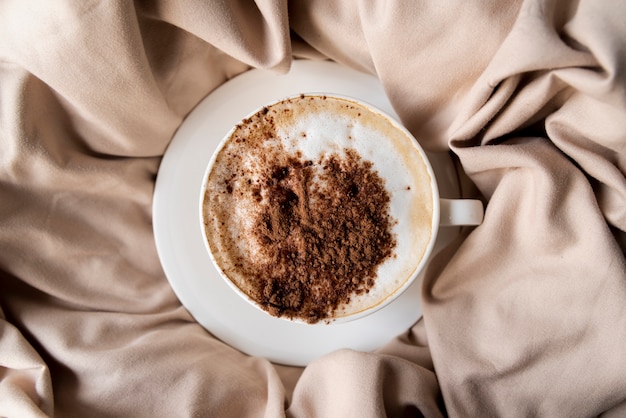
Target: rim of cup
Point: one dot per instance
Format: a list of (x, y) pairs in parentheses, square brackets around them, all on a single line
[(389, 298)]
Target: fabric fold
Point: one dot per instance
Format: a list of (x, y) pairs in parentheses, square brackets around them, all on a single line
[(524, 315), (25, 383)]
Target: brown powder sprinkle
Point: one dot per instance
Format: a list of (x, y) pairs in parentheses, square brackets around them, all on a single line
[(324, 239)]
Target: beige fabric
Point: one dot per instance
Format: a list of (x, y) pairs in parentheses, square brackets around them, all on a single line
[(527, 319)]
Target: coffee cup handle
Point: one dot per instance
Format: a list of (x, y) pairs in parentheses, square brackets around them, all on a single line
[(457, 212)]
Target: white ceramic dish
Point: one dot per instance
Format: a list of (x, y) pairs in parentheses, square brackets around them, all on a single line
[(179, 240)]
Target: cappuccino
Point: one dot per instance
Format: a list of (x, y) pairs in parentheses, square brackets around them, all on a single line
[(318, 207)]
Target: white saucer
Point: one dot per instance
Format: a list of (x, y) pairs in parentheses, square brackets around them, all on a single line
[(180, 245)]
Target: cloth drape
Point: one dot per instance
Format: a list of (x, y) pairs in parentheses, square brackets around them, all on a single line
[(524, 315)]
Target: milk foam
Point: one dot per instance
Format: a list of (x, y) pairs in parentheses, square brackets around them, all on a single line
[(316, 127)]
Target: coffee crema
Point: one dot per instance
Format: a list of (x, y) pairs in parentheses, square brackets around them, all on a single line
[(317, 207)]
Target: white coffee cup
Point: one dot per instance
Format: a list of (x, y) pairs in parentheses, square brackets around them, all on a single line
[(241, 192)]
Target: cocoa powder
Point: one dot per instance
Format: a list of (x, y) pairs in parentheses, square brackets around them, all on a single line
[(324, 239)]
